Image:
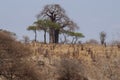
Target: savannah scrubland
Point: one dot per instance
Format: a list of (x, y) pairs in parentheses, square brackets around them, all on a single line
[(95, 62), (54, 60), (38, 61)]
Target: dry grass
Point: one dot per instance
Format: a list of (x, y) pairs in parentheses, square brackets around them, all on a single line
[(100, 62)]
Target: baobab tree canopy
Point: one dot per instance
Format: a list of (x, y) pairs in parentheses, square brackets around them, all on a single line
[(56, 14)]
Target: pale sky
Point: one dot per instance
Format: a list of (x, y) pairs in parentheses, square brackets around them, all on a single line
[(92, 16)]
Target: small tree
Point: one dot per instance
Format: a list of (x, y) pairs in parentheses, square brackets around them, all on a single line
[(75, 35), (42, 24), (102, 37), (26, 39)]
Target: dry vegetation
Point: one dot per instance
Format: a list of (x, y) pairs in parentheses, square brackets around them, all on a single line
[(94, 62), (14, 63), (36, 61)]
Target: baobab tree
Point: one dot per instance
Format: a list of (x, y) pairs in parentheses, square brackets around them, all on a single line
[(45, 25), (56, 14)]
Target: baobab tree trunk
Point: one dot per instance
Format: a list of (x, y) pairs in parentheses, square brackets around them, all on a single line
[(56, 34), (51, 36)]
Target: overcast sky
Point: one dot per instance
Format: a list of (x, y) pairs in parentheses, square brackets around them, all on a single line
[(92, 16)]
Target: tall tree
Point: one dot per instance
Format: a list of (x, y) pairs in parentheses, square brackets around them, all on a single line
[(34, 29), (45, 25), (56, 14)]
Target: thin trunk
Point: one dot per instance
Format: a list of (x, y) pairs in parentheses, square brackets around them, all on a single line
[(45, 36), (76, 39), (35, 35), (65, 38), (72, 40), (50, 36)]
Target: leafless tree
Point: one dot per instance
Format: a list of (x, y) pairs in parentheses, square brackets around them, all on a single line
[(102, 37), (26, 39)]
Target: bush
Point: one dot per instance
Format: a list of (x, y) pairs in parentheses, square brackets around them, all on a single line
[(70, 69), (13, 57)]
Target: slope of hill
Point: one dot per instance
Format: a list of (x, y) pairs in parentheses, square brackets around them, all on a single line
[(94, 62)]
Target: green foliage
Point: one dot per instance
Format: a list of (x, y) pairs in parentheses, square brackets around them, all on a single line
[(41, 24), (34, 28), (75, 34), (46, 24)]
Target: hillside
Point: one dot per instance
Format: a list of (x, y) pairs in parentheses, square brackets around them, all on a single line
[(95, 62)]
